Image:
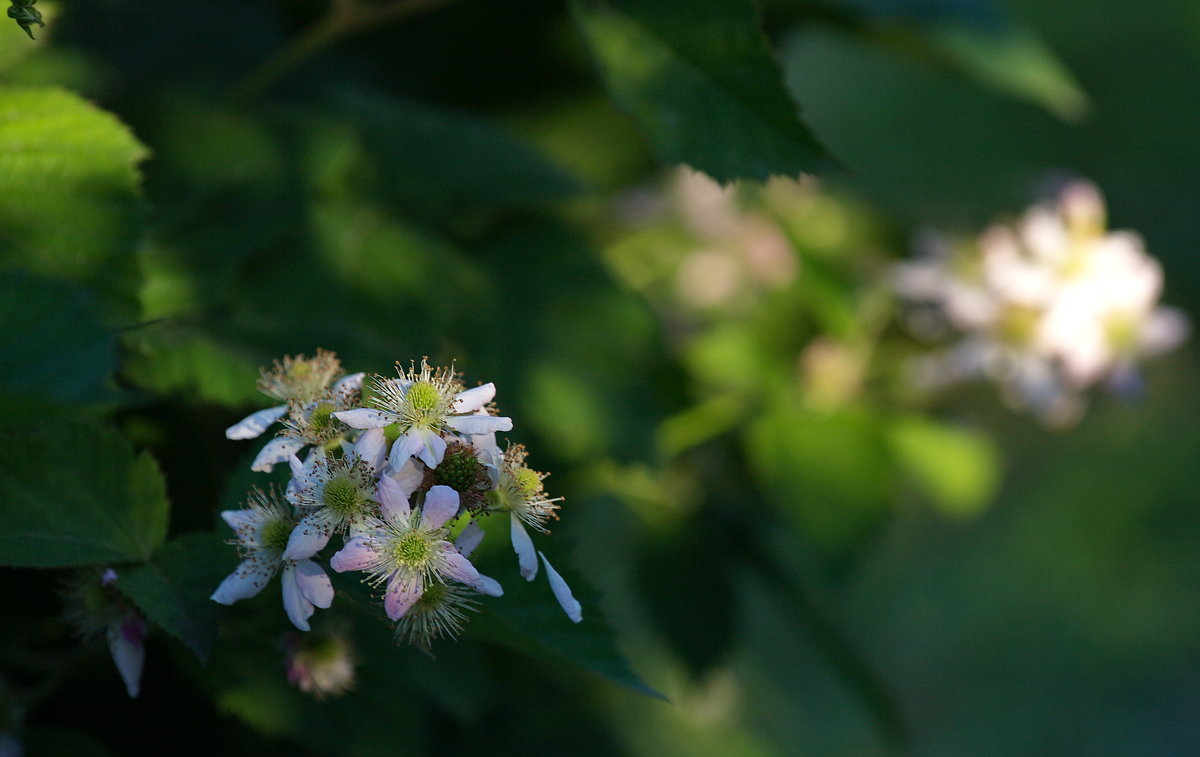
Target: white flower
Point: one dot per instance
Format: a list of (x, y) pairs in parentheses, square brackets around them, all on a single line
[(262, 532), (520, 493), (407, 550), (425, 404)]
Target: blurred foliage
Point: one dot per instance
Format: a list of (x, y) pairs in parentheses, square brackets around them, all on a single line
[(767, 526)]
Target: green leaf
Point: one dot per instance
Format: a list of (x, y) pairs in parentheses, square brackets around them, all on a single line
[(528, 618), (1013, 61), (700, 79), (173, 588), (76, 493), (168, 358), (956, 468), (438, 162), (54, 342), (69, 180)]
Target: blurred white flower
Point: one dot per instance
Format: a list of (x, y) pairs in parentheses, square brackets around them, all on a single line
[(1046, 307)]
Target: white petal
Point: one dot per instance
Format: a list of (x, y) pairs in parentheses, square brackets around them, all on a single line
[(351, 383), (393, 501), (314, 585), (1164, 329), (128, 652), (372, 448), (239, 518), (249, 579), (457, 567), (357, 554), (276, 451), (363, 417), (562, 592), (441, 504), (298, 609), (309, 537), (523, 546), (408, 473), (400, 596), (479, 424), (473, 399), (489, 586), (254, 424), (433, 446), (468, 539)]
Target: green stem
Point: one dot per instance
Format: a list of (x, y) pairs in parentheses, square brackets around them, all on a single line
[(846, 660), (344, 18)]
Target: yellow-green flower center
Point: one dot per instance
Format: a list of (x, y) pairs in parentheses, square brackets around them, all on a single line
[(275, 534), (434, 595), (321, 416), (412, 550), (527, 482), (342, 495), (423, 396)]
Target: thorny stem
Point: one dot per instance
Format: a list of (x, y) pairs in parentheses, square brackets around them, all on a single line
[(344, 18)]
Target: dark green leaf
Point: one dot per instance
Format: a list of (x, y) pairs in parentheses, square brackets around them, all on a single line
[(54, 341), (439, 162), (700, 79), (529, 619), (173, 588), (70, 185), (76, 493)]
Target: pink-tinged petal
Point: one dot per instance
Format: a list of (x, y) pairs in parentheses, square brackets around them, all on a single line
[(474, 425), (357, 554), (473, 399), (239, 518), (254, 424), (351, 383), (489, 586), (363, 417), (433, 446), (392, 499), (401, 595), (249, 579), (372, 448), (309, 537), (404, 448), (314, 585), (108, 578), (468, 539), (128, 652), (409, 474), (456, 566), (523, 546), (298, 609), (276, 451), (562, 592), (441, 504)]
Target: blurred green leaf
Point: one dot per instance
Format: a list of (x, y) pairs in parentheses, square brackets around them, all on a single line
[(68, 175), (76, 493), (54, 340), (956, 468), (1011, 60), (173, 588), (528, 618), (700, 79), (439, 162), (832, 473), (169, 358)]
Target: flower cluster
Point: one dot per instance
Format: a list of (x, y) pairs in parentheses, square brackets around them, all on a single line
[(1046, 307), (403, 468)]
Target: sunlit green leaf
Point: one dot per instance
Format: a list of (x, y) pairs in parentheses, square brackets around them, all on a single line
[(701, 81), (69, 180), (955, 467), (172, 359), (76, 493)]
